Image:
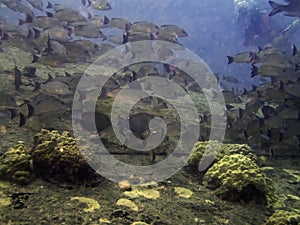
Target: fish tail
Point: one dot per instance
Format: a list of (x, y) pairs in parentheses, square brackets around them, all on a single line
[(295, 50), (254, 71), (230, 59), (276, 8)]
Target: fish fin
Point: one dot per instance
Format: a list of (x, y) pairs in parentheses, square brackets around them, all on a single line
[(125, 38), (22, 120), (82, 95), (67, 74), (35, 58), (276, 8), (295, 50), (89, 16), (254, 71), (37, 86), (50, 78), (49, 14), (259, 48), (3, 35), (30, 109), (49, 6), (13, 113), (36, 33), (105, 20), (230, 59)]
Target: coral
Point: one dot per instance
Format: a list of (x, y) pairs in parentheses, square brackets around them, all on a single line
[(218, 150), (282, 217), (15, 165), (57, 158), (238, 178)]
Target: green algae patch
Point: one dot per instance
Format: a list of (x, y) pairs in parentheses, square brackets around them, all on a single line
[(146, 190), (92, 204), (15, 165), (218, 150), (282, 217), (183, 192), (127, 203), (57, 158), (237, 178), (293, 173), (139, 223)]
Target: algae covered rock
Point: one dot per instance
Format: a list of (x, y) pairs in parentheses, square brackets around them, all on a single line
[(200, 150), (238, 178), (282, 217), (57, 158), (15, 165)]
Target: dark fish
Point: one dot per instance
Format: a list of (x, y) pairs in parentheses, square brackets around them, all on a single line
[(271, 71), (89, 31), (57, 48), (119, 23), (292, 9), (230, 79), (101, 121), (56, 88), (49, 105), (263, 52), (172, 31), (69, 15), (38, 4), (24, 9), (42, 22), (58, 34), (143, 27), (99, 21), (244, 57), (100, 5), (139, 123), (18, 78)]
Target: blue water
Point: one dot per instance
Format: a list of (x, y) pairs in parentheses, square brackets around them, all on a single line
[(213, 31)]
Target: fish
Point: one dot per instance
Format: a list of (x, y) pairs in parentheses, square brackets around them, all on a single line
[(56, 88), (119, 23), (99, 21), (291, 9), (230, 79), (60, 34), (102, 5), (244, 57), (101, 122), (68, 15), (262, 52), (145, 27), (41, 22), (89, 31), (38, 4), (24, 9), (173, 31), (56, 47), (278, 61), (269, 71)]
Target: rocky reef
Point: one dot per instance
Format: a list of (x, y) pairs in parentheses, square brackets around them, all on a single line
[(282, 217), (16, 165), (200, 150), (238, 178), (56, 158)]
